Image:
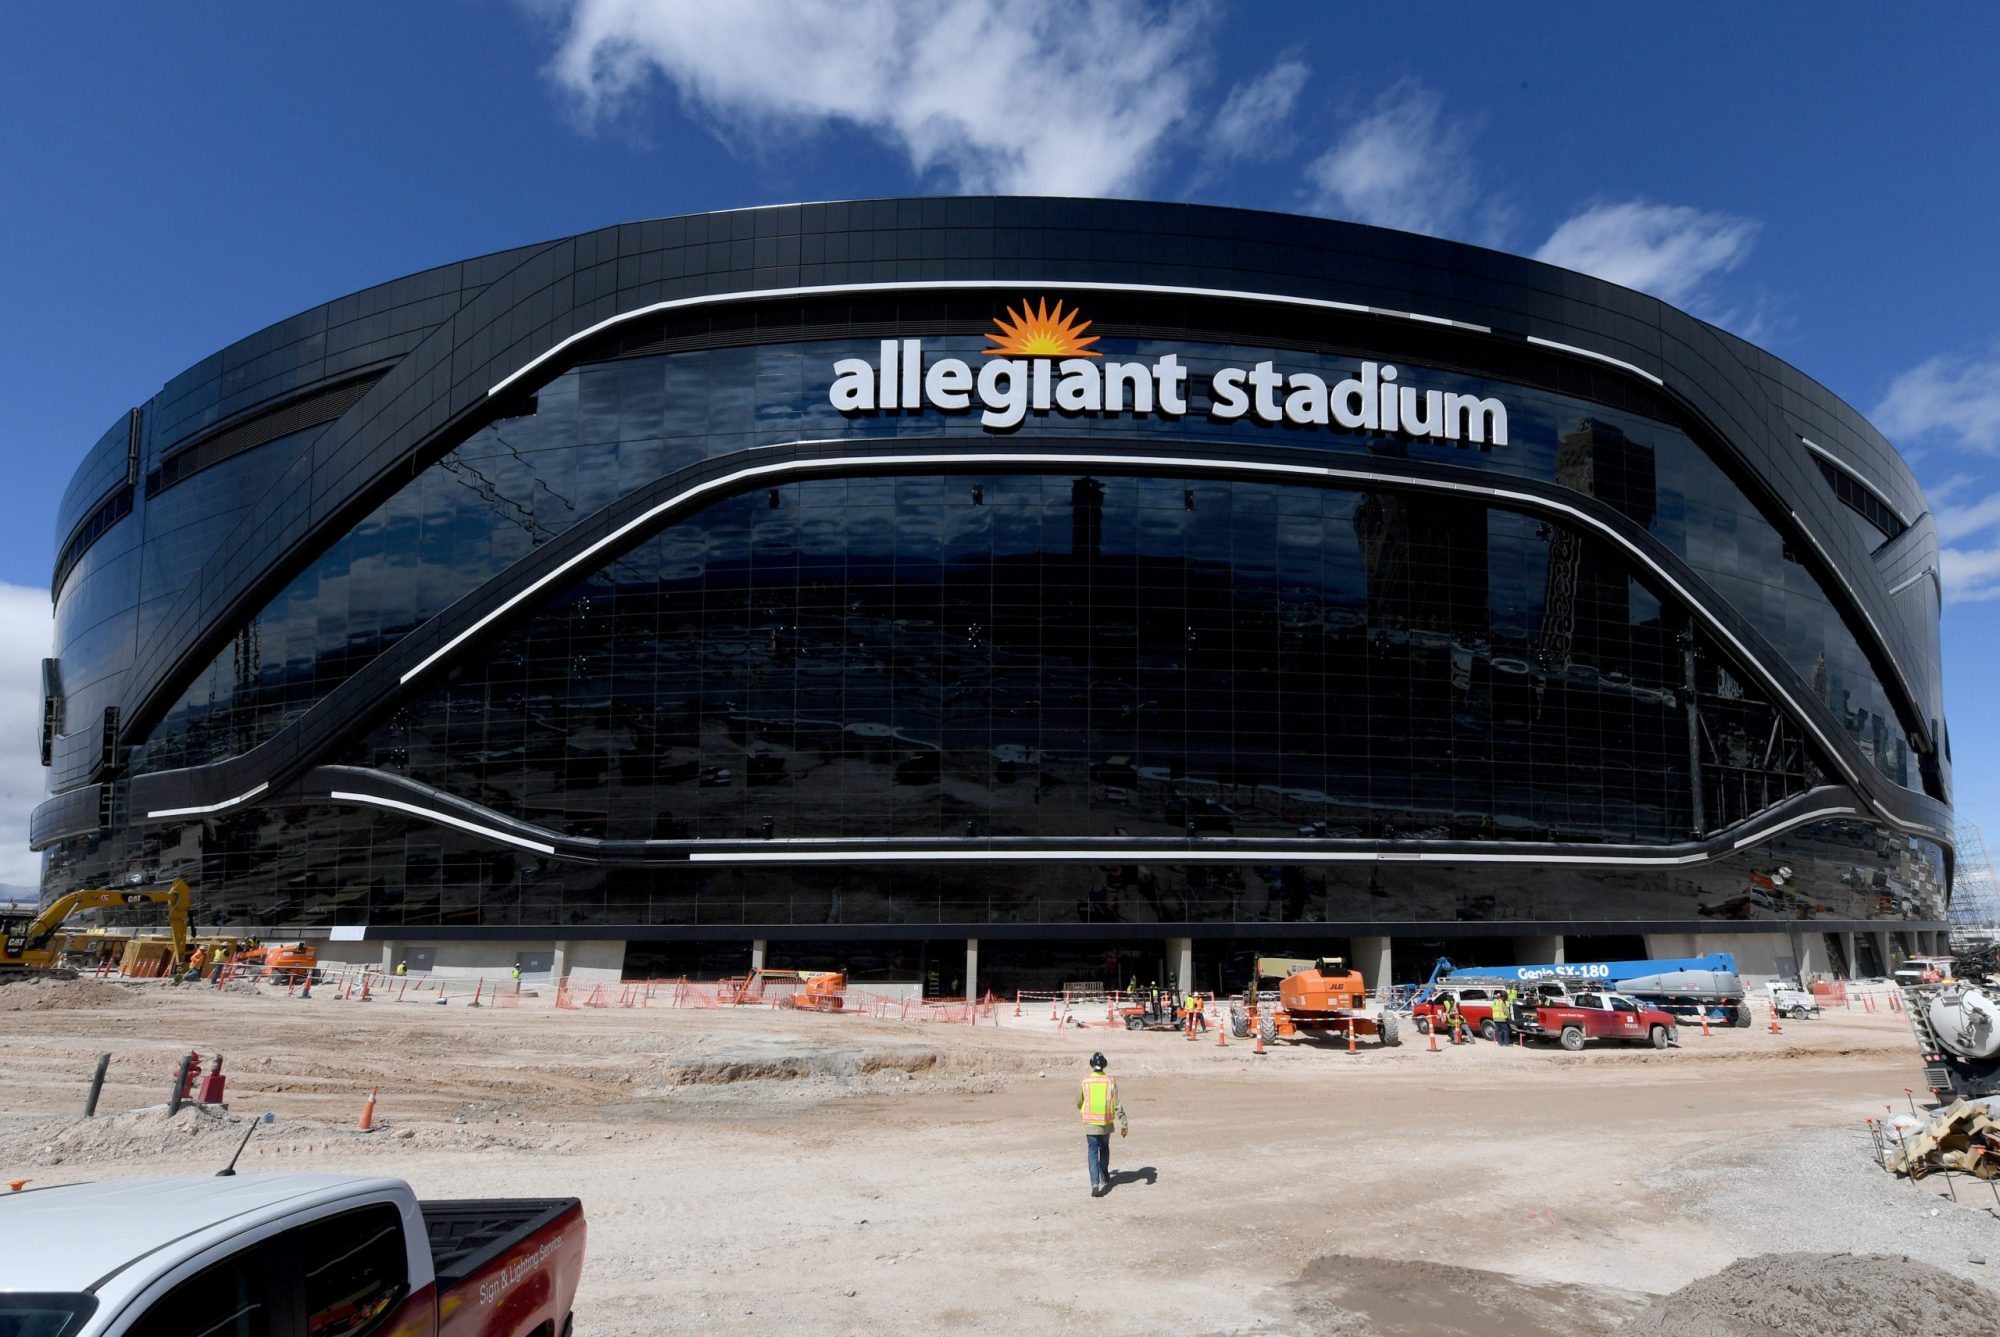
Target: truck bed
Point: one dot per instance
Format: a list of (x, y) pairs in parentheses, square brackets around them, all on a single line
[(466, 1234)]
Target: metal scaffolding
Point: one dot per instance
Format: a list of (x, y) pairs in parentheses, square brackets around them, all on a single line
[(1975, 893)]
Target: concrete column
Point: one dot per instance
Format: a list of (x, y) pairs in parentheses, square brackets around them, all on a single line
[(1541, 949), (559, 963), (1882, 951), (757, 946), (389, 950), (1847, 953), (1180, 960), (972, 967), (1809, 951), (1371, 958)]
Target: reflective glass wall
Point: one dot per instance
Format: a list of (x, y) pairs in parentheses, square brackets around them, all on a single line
[(601, 430)]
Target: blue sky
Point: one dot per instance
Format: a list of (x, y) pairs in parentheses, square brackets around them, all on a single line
[(1819, 177)]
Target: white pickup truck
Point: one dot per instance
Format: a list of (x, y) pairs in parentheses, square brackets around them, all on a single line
[(283, 1255)]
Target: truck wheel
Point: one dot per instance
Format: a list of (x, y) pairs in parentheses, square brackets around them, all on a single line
[(1572, 1038), (1239, 1023), (1133, 1021), (1488, 1031), (1423, 1025), (1658, 1035), (1741, 1018), (1386, 1030), (1267, 1028)]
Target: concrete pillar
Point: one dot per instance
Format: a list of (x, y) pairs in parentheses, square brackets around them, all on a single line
[(1847, 955), (1180, 960), (972, 967), (1882, 951), (1540, 949), (1371, 958), (757, 946), (559, 962), (1809, 951), (389, 950)]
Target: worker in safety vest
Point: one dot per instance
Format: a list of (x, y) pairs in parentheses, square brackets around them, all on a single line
[(1193, 1012), (1503, 1016), (1098, 1103)]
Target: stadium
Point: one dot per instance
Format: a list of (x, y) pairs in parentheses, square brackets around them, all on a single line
[(996, 592)]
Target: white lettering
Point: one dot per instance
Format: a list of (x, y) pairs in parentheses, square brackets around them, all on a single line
[(853, 386), (1118, 377), (1431, 421), (1354, 401), (1006, 404), (1171, 378), (890, 380), (1471, 418), (913, 370), (1388, 400), (1081, 389), (948, 384), (1226, 390), (1265, 382), (1040, 400), (1306, 404)]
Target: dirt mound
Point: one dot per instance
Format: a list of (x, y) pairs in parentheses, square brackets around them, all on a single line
[(764, 1062), (1342, 1295), (1818, 1295), (53, 995), (202, 1134)]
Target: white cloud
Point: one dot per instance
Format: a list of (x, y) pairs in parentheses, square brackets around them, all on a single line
[(1964, 519), (1402, 166), (1251, 123), (27, 631), (1955, 400), (1970, 575), (1064, 97), (1668, 250)]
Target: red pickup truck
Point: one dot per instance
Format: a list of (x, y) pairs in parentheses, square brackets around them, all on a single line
[(1584, 1018), (284, 1255)]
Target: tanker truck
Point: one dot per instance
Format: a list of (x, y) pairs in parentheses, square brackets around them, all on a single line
[(1957, 1025)]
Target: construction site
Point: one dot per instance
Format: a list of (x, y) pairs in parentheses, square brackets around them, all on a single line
[(781, 1151)]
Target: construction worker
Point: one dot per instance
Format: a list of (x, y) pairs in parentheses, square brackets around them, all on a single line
[(1453, 1020), (195, 964), (402, 967), (1196, 1017), (1098, 1103), (1503, 1016)]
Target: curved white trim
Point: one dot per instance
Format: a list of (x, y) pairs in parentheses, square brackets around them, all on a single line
[(444, 818), (1791, 822), (1601, 357), (1168, 463), (1908, 581), (977, 285), (855, 849), (1856, 475), (243, 797)]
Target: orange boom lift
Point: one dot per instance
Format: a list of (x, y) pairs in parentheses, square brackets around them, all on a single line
[(1315, 995)]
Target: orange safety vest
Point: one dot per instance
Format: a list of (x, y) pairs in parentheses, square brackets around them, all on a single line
[(1098, 1100)]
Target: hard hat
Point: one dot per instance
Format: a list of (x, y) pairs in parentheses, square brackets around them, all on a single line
[(1097, 1063)]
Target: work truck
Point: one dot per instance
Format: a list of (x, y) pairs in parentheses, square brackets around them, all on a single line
[(1588, 1017), (284, 1255)]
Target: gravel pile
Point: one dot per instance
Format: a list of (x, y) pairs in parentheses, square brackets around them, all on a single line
[(1820, 1295), (51, 995)]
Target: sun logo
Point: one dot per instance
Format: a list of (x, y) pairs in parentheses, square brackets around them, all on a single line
[(1039, 332)]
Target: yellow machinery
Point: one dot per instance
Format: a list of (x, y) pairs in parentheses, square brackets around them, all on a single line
[(32, 944)]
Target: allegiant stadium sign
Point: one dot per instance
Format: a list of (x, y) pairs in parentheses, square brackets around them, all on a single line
[(1042, 362)]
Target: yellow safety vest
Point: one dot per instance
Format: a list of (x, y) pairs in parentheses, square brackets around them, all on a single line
[(1500, 1007), (1098, 1099)]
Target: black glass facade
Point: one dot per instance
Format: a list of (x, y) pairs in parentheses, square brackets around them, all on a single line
[(1604, 671)]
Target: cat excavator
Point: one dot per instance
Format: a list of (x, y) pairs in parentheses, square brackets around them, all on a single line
[(29, 943)]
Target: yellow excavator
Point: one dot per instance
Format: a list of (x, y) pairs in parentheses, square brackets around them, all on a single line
[(30, 943)]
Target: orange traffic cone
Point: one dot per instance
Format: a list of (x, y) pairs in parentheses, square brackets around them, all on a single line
[(1260, 1039), (1221, 1030), (1017, 1002), (1350, 1035), (1774, 1020), (1434, 1037), (1704, 1021), (367, 1124)]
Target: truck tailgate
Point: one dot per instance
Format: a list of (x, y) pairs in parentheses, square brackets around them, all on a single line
[(504, 1265)]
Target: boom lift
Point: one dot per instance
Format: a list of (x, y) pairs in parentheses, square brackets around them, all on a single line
[(1313, 995), (28, 944)]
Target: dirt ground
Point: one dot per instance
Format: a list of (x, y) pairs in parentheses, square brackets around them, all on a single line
[(750, 1170)]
